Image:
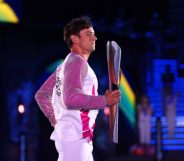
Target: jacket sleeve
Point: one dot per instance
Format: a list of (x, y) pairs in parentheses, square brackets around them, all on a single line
[(43, 98), (74, 75)]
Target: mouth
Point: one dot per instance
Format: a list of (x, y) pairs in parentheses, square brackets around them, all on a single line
[(93, 43)]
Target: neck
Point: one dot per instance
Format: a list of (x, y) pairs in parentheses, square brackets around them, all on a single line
[(84, 54)]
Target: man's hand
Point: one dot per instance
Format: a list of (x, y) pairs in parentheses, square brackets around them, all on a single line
[(112, 97)]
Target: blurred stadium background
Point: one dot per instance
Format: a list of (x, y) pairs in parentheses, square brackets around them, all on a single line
[(151, 37)]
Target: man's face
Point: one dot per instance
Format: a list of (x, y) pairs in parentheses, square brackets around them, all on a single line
[(87, 40)]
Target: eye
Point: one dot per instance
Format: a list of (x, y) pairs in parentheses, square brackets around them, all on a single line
[(88, 34)]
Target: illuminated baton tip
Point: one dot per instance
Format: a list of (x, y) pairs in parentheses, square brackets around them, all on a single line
[(21, 109)]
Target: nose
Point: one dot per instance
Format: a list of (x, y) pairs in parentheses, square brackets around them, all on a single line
[(95, 38)]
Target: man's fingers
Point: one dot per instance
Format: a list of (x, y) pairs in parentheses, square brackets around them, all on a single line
[(112, 97), (116, 93), (117, 99)]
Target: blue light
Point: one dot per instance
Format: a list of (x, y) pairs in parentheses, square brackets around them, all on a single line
[(173, 147), (170, 142), (149, 34), (156, 98)]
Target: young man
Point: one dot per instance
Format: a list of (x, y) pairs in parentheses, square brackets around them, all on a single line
[(69, 97)]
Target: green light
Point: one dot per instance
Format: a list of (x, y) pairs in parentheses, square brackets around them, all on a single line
[(127, 103)]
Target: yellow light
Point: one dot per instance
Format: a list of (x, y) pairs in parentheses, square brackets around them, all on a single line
[(21, 109), (7, 14)]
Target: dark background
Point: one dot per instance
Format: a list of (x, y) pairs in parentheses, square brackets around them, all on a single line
[(145, 30)]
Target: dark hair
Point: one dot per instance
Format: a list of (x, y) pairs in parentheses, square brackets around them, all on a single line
[(74, 27), (144, 97)]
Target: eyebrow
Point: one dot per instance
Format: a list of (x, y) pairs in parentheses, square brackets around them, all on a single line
[(90, 32)]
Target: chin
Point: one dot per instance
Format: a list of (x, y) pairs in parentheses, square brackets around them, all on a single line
[(92, 50)]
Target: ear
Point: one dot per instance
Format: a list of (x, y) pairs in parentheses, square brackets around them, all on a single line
[(74, 38)]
